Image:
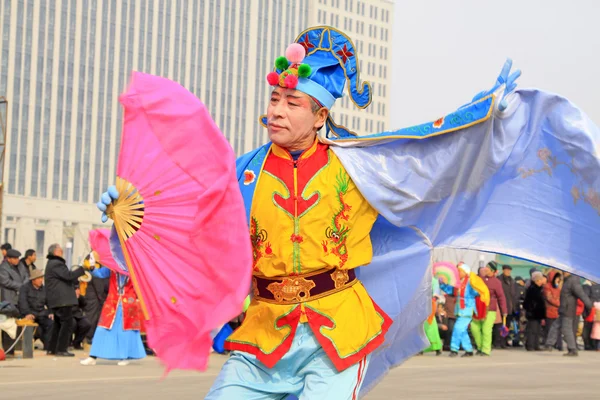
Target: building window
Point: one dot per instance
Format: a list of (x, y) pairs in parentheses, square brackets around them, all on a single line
[(39, 241)]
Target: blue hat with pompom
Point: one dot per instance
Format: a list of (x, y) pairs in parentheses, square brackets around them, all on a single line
[(322, 63)]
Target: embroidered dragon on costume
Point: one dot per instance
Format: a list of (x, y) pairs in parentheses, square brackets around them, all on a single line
[(259, 239), (337, 233)]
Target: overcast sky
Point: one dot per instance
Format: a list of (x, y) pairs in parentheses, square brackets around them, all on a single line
[(445, 52)]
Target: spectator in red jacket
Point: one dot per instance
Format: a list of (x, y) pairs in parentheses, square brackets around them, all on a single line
[(551, 294)]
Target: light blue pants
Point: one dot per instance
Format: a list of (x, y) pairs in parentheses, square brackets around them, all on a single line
[(460, 335), (305, 371)]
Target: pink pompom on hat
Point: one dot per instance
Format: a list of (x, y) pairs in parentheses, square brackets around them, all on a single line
[(289, 68)]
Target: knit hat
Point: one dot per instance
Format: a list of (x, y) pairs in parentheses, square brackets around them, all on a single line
[(536, 275), (493, 265)]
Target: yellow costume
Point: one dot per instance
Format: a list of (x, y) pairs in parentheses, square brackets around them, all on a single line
[(308, 217)]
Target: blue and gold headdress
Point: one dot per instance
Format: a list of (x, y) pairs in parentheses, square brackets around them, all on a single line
[(322, 63)]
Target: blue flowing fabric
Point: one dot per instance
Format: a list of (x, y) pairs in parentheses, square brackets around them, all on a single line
[(523, 182)]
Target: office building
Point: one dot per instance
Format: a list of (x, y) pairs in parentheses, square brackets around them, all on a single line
[(63, 64)]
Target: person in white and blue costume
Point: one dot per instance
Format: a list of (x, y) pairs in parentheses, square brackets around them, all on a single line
[(515, 172)]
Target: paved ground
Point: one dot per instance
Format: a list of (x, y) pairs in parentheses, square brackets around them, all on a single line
[(513, 374)]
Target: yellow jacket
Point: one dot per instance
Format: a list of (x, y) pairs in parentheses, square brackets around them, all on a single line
[(308, 215)]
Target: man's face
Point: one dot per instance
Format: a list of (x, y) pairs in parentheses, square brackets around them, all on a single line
[(506, 272), (485, 271), (13, 260), (3, 253), (539, 281), (58, 252), (291, 121), (38, 282), (32, 258)]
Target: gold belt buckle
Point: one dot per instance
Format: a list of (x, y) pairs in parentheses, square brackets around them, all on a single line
[(296, 289), (340, 277)]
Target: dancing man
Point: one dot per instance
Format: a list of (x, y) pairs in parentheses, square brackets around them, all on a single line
[(320, 207)]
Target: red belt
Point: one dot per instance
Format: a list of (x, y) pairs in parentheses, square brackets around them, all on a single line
[(302, 288)]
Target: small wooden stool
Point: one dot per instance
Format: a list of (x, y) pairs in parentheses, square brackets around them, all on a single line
[(29, 328)]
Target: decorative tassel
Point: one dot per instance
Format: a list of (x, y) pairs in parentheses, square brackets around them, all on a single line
[(304, 71), (273, 78), (291, 81), (281, 63), (295, 53)]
